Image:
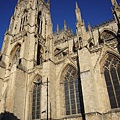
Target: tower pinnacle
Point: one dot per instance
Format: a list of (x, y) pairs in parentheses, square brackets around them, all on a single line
[(57, 28), (65, 25), (48, 2), (90, 30), (77, 6), (114, 2), (78, 13)]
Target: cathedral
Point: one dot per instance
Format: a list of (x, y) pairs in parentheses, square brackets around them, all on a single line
[(46, 75)]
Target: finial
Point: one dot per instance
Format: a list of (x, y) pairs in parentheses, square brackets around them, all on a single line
[(71, 31), (114, 2), (77, 6), (89, 27), (65, 25), (90, 31), (57, 28), (48, 1), (78, 13), (68, 27)]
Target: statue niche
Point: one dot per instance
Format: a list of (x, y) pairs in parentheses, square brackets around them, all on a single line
[(15, 56), (40, 52)]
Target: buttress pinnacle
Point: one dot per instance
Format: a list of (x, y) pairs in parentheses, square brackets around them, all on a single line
[(78, 13), (114, 2)]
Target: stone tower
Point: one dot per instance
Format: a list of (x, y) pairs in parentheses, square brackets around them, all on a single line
[(27, 48), (60, 75)]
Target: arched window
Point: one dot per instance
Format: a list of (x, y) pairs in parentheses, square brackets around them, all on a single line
[(36, 103), (15, 56), (107, 35), (24, 19), (71, 88), (39, 22), (112, 78)]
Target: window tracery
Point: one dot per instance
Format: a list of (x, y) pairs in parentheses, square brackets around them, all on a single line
[(71, 90), (24, 19), (108, 35), (112, 78), (36, 102)]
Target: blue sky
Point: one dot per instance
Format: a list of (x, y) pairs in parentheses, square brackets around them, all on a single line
[(93, 12)]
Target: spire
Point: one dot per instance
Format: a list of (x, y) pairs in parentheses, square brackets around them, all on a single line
[(68, 27), (78, 13), (65, 25), (90, 30), (80, 27), (91, 34), (89, 27), (77, 6), (114, 2)]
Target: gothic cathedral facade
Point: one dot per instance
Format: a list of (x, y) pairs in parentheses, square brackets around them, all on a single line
[(61, 75)]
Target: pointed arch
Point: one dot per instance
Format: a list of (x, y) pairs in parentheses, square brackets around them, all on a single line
[(108, 29), (36, 97), (64, 68), (111, 70), (108, 35), (105, 55), (33, 79), (14, 48), (69, 78), (91, 44), (15, 55), (24, 19), (67, 66)]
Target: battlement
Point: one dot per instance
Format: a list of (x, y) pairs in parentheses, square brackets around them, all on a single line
[(103, 24)]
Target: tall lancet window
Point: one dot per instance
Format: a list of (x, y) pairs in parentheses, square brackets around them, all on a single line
[(71, 88), (39, 22), (112, 78), (24, 19), (36, 103)]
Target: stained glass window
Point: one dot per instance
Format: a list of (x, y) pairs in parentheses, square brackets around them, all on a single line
[(36, 101), (71, 88), (112, 77), (108, 35)]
